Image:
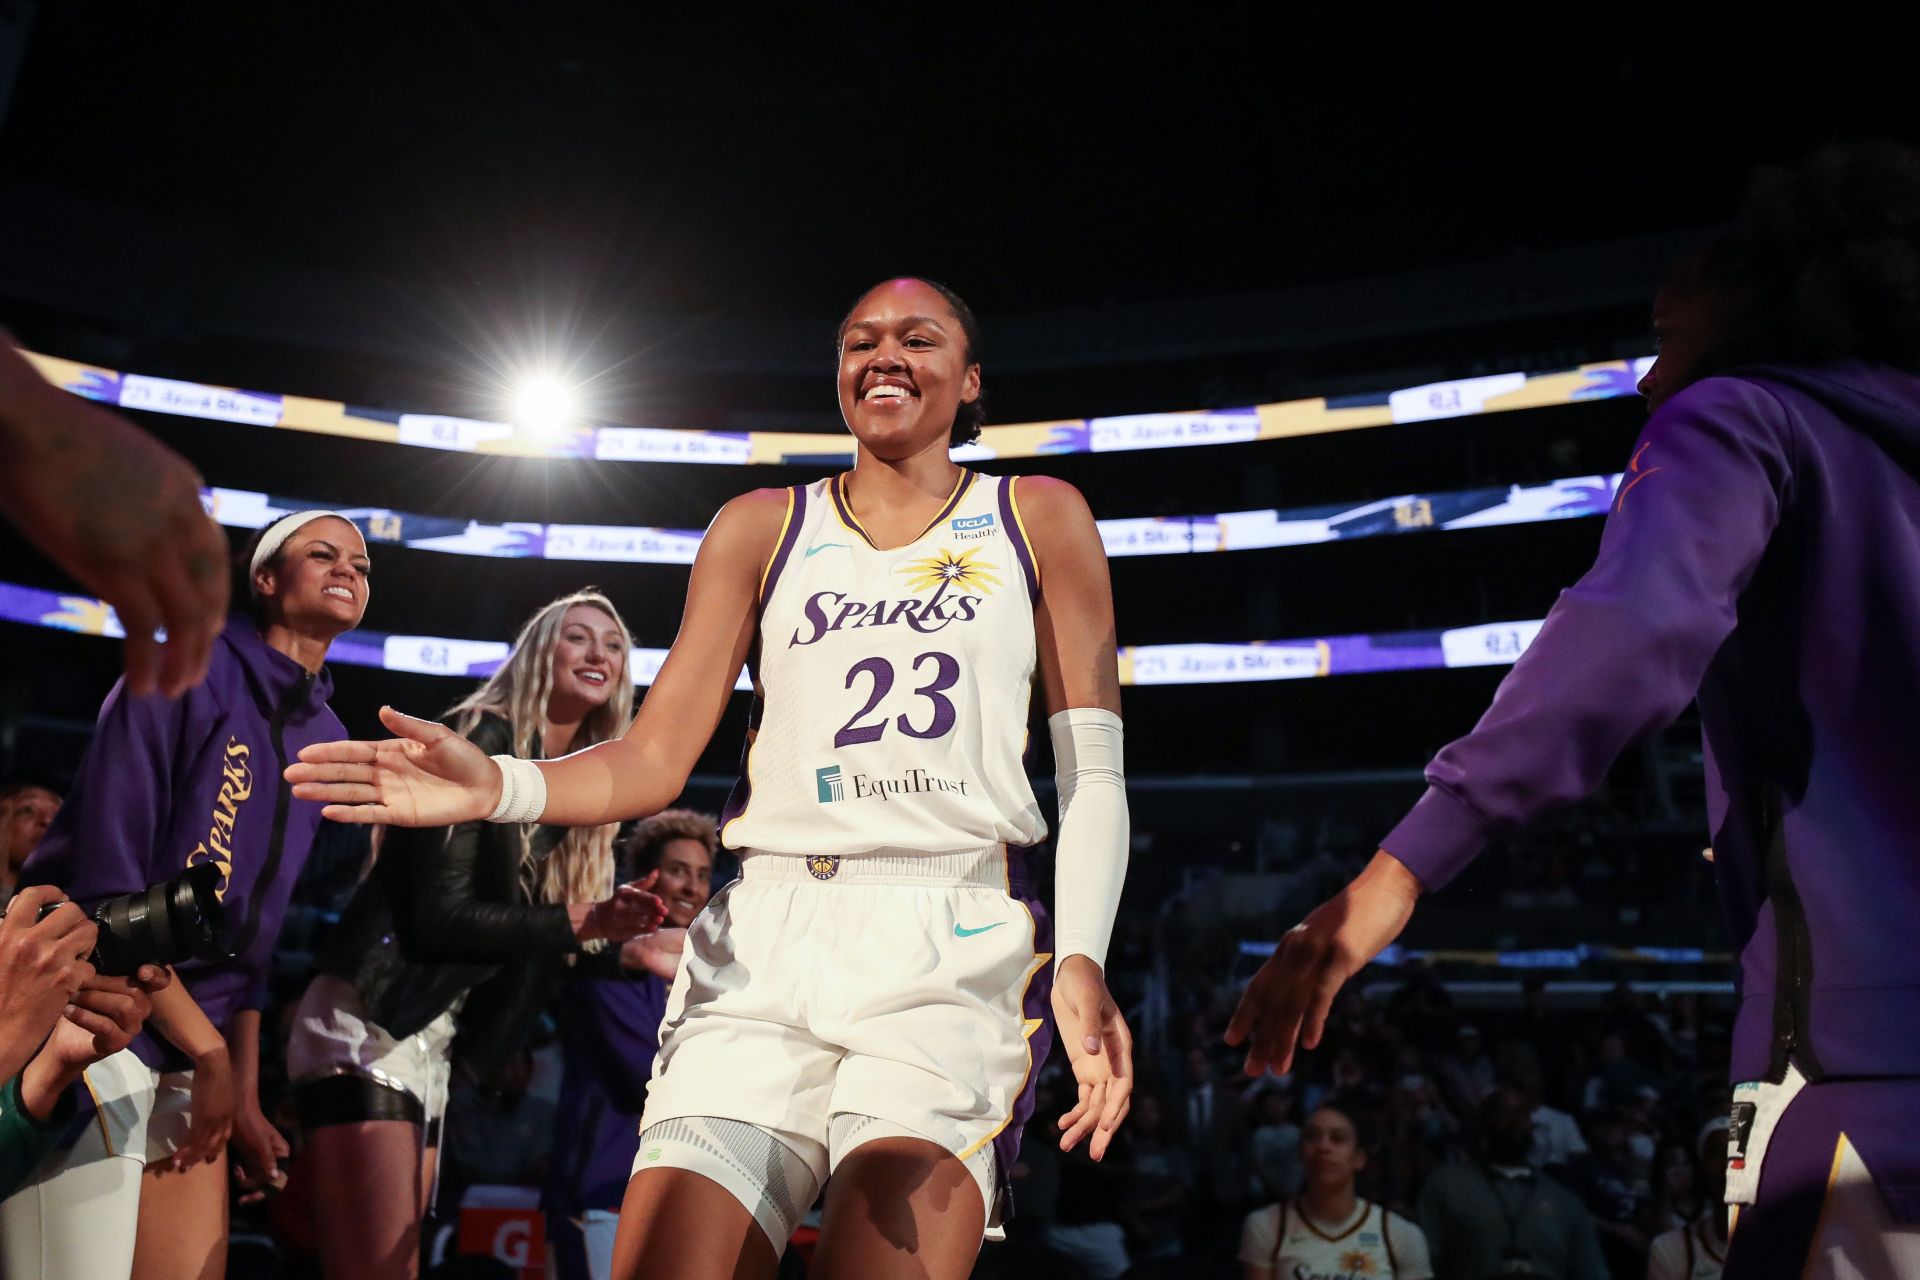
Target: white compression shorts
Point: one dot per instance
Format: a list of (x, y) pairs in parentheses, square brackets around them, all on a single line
[(777, 1177)]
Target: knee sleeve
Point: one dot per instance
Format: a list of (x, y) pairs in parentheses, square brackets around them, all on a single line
[(848, 1131), (776, 1176)]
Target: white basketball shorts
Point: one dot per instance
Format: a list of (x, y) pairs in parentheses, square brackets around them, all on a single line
[(907, 987)]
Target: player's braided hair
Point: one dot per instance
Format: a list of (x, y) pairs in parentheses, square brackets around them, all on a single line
[(1823, 263), (972, 415)]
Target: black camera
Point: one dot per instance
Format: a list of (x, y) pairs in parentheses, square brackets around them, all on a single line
[(163, 924)]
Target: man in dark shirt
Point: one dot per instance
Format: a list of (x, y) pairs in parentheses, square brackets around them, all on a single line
[(1497, 1215)]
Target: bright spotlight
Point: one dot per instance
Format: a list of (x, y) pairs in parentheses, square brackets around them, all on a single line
[(546, 406)]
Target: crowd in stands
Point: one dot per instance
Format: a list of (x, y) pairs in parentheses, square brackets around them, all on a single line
[(1604, 1099)]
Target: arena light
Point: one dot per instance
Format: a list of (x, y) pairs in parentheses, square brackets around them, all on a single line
[(546, 406)]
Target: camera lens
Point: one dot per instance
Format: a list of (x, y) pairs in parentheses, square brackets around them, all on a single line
[(165, 923)]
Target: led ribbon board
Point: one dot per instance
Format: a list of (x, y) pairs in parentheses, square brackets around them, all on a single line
[(1462, 397), (1491, 644), (1146, 536)]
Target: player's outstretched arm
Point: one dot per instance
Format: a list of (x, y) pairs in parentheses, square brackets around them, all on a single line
[(1080, 673), (429, 776), (1288, 1000)]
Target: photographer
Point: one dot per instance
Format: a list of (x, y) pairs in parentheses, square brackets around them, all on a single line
[(170, 786), (57, 1017)]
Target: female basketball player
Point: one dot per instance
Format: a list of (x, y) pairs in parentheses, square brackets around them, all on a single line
[(444, 912), (864, 1000), (1327, 1230), (166, 784)]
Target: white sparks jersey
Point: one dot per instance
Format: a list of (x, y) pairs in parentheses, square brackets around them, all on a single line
[(1373, 1243), (891, 687)]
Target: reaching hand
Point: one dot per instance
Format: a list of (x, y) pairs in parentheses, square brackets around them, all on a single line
[(1100, 1048), (119, 511), (1288, 1000), (630, 912), (658, 953), (429, 776), (42, 963)]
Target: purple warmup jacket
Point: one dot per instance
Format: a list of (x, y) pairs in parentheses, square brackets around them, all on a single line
[(167, 783), (609, 1034), (1763, 555)]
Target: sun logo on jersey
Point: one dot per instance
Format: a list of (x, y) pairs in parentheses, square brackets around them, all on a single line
[(964, 571), (1356, 1263)]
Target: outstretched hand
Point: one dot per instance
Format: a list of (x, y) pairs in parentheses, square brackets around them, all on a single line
[(1288, 1000), (119, 511), (633, 910), (428, 776), (1100, 1049)]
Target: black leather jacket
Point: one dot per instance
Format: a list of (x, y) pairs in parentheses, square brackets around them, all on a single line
[(446, 911)]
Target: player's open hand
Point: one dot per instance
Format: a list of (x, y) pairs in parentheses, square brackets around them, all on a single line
[(1100, 1048), (428, 776), (1287, 1001)]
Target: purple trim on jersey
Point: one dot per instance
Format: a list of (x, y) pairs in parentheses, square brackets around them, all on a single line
[(837, 488), (845, 509), (1011, 523), (796, 517), (1877, 1118), (742, 793), (960, 491), (1039, 1001)]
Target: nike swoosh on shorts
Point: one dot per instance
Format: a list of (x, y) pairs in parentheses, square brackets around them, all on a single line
[(961, 931)]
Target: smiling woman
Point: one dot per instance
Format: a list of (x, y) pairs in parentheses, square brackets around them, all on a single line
[(168, 784), (898, 618), (433, 928), (896, 387)]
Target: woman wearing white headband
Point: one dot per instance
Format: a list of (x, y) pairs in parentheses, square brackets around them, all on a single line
[(167, 784)]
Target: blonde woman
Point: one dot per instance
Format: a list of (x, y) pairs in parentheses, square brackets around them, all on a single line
[(444, 911)]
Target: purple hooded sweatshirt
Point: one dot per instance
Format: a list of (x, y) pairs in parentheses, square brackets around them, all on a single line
[(609, 1033), (168, 783), (1763, 555)]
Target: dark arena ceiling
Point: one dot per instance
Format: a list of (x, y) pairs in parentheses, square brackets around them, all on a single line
[(1150, 208)]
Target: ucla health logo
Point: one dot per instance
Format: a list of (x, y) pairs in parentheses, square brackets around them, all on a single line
[(830, 784), (968, 528)]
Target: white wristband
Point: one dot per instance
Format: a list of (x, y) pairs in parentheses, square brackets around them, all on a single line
[(523, 791)]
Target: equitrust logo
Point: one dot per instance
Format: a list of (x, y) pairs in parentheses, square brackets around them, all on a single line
[(832, 786)]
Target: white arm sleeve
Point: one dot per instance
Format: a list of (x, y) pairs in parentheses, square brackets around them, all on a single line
[(1090, 852)]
